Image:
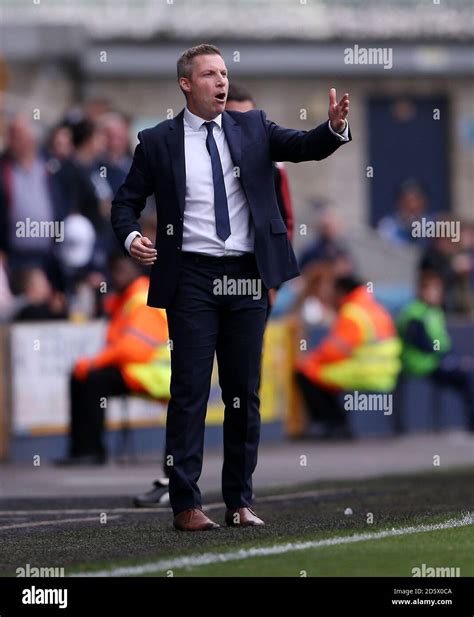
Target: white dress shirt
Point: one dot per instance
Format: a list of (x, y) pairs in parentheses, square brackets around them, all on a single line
[(199, 224)]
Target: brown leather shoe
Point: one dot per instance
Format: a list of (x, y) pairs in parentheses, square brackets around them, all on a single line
[(242, 517), (193, 519)]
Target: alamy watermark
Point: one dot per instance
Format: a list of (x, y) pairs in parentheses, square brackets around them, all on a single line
[(429, 571), (424, 228), (369, 55), (40, 229), (359, 401), (238, 287), (34, 572), (38, 595)]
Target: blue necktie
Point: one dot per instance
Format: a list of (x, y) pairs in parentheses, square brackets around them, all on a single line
[(220, 197)]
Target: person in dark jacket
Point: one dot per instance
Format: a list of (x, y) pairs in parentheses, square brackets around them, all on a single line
[(240, 99)]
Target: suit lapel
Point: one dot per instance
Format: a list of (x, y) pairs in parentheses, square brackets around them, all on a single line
[(175, 142), (233, 135)]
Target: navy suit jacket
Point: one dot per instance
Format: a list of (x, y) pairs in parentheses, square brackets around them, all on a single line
[(158, 167)]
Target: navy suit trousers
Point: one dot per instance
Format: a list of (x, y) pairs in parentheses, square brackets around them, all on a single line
[(220, 306)]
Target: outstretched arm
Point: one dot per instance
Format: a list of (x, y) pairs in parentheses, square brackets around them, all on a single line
[(316, 144)]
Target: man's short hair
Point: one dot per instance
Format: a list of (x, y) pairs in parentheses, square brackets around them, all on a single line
[(185, 61), (82, 131), (428, 275), (239, 93)]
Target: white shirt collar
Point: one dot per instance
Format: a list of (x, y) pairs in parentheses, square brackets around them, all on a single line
[(195, 122)]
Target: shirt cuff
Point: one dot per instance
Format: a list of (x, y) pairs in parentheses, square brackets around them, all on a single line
[(129, 239), (344, 136)]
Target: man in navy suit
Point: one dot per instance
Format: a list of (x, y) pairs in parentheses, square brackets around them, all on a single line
[(221, 245)]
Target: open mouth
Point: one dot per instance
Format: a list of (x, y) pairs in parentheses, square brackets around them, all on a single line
[(220, 97)]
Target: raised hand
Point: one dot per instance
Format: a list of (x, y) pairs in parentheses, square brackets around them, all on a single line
[(338, 111)]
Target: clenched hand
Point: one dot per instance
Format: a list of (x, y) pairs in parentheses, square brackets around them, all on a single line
[(142, 250)]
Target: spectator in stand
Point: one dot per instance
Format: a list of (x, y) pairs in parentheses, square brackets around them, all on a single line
[(411, 206), (361, 352), (24, 173), (453, 264), (115, 161), (427, 349), (59, 146), (38, 300), (90, 191), (313, 301), (117, 157), (328, 245)]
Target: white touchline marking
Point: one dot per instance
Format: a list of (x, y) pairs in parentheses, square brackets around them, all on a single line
[(56, 522), (58, 511), (166, 508), (277, 549)]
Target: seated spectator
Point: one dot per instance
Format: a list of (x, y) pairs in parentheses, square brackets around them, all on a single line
[(88, 190), (136, 359), (411, 206), (452, 261), (59, 145), (427, 349), (328, 244), (361, 352), (38, 300), (312, 303), (116, 157)]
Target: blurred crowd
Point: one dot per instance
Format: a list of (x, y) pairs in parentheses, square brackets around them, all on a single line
[(327, 255), (56, 239), (56, 191)]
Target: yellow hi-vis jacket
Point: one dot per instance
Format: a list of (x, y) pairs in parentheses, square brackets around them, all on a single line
[(137, 341), (362, 350)]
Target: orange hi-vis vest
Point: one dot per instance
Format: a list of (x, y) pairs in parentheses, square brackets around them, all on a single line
[(137, 341), (361, 351)]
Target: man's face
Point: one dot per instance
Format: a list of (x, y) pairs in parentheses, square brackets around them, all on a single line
[(21, 138), (431, 291), (206, 88), (412, 203), (116, 137)]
